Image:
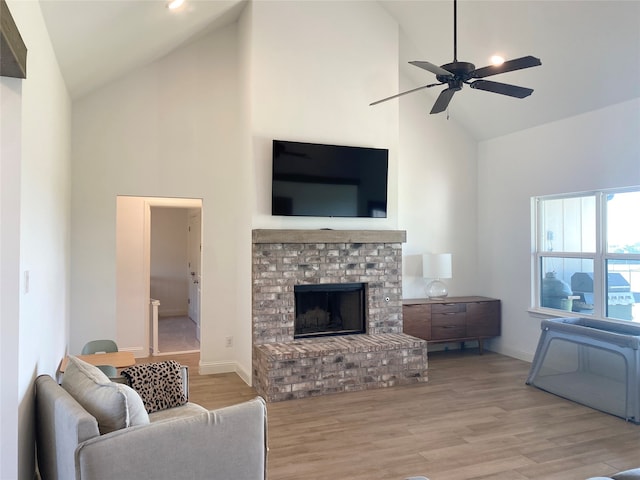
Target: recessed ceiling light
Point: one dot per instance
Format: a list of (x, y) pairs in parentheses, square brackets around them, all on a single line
[(497, 60), (174, 4)]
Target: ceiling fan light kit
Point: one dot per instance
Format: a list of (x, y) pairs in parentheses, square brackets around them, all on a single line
[(174, 4), (456, 74)]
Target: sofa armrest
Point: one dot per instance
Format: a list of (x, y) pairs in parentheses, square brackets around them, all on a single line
[(227, 443), (61, 424)]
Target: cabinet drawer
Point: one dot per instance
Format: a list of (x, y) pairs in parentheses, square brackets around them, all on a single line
[(448, 325), (448, 307), (416, 312), (444, 319), (446, 332), (483, 308), (416, 321)]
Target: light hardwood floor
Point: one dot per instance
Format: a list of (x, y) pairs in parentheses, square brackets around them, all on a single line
[(474, 419)]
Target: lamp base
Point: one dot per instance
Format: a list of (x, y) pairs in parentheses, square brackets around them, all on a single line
[(436, 290)]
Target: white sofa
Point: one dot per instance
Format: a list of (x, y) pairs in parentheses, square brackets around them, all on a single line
[(187, 441)]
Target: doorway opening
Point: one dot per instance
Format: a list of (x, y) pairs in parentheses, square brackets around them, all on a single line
[(175, 277), (159, 272)]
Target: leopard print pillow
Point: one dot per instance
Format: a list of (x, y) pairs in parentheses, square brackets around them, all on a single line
[(158, 384)]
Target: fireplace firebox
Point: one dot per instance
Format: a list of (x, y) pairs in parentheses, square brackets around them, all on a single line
[(329, 309)]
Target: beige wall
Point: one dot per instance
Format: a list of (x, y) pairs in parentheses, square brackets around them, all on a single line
[(169, 260)]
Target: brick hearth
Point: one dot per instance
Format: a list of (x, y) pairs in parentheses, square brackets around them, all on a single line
[(284, 368)]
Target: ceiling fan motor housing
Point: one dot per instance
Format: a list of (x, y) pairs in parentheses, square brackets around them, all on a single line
[(459, 70)]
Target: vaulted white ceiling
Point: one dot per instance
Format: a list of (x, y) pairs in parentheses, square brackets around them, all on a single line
[(590, 50)]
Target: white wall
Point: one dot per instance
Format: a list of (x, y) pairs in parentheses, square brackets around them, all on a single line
[(10, 156), (131, 329), (39, 325), (310, 70), (437, 195), (315, 67), (169, 260), (172, 128), (243, 329), (199, 124), (168, 129), (596, 150)]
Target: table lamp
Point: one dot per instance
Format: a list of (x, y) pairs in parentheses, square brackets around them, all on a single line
[(436, 266)]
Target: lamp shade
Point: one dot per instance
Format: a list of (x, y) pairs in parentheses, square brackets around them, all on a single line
[(436, 265)]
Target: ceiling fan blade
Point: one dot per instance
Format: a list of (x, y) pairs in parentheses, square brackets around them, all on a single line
[(502, 88), (508, 66), (404, 93), (442, 102), (432, 68)]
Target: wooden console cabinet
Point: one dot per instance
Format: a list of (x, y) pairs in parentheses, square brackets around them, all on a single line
[(454, 319)]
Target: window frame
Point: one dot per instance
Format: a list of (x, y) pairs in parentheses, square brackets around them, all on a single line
[(600, 257)]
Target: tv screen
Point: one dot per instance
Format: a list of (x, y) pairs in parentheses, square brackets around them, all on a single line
[(318, 180)]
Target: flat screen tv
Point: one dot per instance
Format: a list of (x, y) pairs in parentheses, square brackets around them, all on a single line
[(311, 179)]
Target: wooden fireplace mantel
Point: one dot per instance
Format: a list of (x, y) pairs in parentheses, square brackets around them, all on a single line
[(329, 236)]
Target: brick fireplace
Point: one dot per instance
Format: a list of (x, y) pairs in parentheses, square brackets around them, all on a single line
[(285, 367)]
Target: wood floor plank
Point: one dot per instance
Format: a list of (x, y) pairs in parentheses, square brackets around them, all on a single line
[(474, 420)]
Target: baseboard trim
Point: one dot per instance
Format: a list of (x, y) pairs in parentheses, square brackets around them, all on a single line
[(245, 375), (510, 352), (138, 352), (211, 368)]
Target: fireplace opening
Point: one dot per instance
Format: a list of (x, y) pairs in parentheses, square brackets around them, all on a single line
[(329, 309)]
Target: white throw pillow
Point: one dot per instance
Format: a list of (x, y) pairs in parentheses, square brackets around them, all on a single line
[(114, 405)]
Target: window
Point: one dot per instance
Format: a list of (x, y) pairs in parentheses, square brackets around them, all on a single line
[(587, 254)]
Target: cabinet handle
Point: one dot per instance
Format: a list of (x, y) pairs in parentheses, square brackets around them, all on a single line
[(449, 326)]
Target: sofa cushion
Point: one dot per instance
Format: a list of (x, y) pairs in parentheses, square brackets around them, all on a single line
[(114, 405), (187, 410)]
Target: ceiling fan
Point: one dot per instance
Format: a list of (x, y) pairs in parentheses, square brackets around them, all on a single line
[(456, 73)]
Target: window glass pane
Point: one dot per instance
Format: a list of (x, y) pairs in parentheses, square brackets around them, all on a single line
[(623, 289), (568, 224), (623, 228), (567, 284)]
